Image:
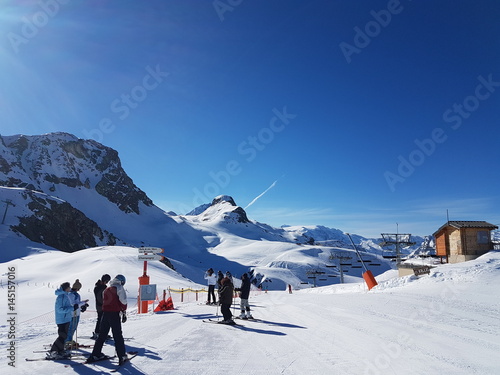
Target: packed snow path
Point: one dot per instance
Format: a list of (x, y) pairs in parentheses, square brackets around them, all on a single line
[(431, 326)]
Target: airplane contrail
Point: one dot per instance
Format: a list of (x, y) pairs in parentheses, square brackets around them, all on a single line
[(261, 194)]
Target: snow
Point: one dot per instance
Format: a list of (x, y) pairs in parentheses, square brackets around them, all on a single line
[(446, 322)]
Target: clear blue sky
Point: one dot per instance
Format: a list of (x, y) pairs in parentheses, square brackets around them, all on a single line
[(355, 115)]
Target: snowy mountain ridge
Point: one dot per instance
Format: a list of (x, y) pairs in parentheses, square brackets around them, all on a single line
[(69, 194)]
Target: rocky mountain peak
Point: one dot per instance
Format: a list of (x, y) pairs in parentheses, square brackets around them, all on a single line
[(223, 207), (223, 198), (52, 163)]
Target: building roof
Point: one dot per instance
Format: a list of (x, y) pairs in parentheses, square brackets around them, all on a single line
[(467, 224)]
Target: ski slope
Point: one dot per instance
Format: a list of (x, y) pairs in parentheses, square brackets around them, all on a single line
[(443, 323)]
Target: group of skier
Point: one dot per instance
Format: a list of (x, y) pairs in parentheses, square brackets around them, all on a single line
[(111, 305), (226, 291)]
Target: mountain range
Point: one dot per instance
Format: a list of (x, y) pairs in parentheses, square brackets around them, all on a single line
[(59, 192)]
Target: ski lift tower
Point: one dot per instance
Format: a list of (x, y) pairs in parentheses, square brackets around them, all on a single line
[(342, 259), (314, 274), (399, 240)]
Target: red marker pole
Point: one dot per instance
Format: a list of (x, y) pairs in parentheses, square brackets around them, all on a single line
[(142, 306)]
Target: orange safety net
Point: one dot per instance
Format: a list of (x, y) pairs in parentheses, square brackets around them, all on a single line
[(165, 305)]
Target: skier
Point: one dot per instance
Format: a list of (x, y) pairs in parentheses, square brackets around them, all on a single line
[(100, 285), (63, 311), (220, 276), (244, 292), (225, 300), (211, 278), (113, 314), (75, 299)]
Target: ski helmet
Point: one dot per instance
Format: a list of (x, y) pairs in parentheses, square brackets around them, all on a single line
[(121, 278)]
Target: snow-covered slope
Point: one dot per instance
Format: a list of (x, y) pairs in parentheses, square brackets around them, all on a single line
[(444, 323)]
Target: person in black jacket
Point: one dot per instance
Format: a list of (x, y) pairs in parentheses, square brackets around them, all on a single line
[(226, 300), (220, 276), (244, 293), (100, 285), (114, 308)]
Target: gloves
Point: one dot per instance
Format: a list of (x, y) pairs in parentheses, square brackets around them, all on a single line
[(84, 307), (124, 317), (75, 307)]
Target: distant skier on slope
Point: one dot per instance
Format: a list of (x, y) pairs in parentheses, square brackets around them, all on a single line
[(114, 306)]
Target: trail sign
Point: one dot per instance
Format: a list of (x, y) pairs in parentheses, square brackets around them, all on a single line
[(421, 270), (153, 250), (147, 292), (150, 257)]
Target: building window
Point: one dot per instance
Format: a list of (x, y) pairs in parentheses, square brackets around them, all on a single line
[(483, 237)]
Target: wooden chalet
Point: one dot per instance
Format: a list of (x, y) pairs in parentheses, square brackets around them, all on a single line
[(459, 241)]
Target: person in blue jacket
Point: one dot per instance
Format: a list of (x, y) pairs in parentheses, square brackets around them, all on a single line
[(74, 298), (64, 312)]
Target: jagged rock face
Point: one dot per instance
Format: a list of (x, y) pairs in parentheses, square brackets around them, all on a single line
[(241, 215), (60, 225), (223, 198), (47, 162)]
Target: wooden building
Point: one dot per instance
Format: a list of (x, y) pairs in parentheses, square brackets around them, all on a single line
[(460, 241)]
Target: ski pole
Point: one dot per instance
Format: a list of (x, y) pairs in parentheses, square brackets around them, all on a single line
[(73, 329), (234, 304), (76, 333)]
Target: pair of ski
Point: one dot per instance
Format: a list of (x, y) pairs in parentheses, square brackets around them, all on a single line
[(79, 346), (222, 323), (68, 358), (248, 319), (227, 324), (85, 362), (131, 355)]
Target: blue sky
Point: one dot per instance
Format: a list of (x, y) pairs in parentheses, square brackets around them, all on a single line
[(355, 115)]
